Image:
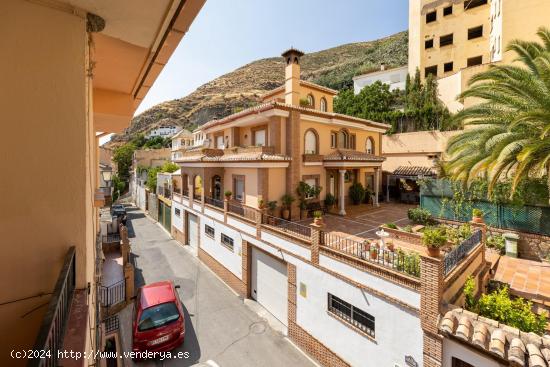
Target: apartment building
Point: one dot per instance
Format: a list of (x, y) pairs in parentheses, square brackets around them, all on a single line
[(164, 131), (395, 78), (456, 39), (334, 298), (76, 70)]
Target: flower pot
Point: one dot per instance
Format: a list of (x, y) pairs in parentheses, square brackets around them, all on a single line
[(433, 251), (390, 246), (303, 213), (373, 255), (318, 221), (477, 219), (286, 214)]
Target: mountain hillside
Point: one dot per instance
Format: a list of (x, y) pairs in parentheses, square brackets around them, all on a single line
[(241, 88)]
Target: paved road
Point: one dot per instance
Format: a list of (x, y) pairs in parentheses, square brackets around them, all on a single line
[(220, 329)]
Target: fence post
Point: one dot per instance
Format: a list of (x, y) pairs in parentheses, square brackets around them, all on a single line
[(431, 292), (125, 245), (225, 209), (316, 234), (129, 281)]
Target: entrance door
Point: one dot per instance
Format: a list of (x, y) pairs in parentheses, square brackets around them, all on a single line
[(269, 284), (193, 228)]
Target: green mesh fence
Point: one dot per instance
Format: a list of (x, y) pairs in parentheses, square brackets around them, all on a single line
[(436, 197)]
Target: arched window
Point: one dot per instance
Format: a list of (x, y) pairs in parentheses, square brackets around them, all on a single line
[(323, 104), (343, 139), (369, 146), (311, 100), (311, 143)]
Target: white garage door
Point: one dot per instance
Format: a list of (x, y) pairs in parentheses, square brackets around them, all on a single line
[(269, 284), (193, 231)]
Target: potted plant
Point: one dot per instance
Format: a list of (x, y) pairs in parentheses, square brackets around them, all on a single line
[(287, 201), (303, 190), (434, 239), (330, 201), (318, 217), (261, 203), (389, 244), (271, 207), (228, 195), (374, 248), (477, 216), (356, 193), (303, 209)]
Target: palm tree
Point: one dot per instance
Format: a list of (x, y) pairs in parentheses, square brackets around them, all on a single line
[(509, 134)]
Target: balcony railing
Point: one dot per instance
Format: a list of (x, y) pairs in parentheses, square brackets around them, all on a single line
[(399, 260), (185, 193), (113, 294), (292, 228), (214, 202), (242, 210), (455, 256), (52, 331)]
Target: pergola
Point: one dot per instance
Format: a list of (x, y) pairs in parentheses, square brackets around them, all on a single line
[(408, 173)]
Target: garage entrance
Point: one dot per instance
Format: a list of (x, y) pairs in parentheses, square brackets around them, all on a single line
[(268, 284), (193, 231)]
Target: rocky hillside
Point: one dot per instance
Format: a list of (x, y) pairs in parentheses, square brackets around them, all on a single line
[(242, 88)]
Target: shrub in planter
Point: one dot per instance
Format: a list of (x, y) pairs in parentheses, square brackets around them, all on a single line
[(287, 201), (228, 194), (330, 200), (356, 193), (434, 238), (390, 225), (477, 216), (419, 216), (497, 242)]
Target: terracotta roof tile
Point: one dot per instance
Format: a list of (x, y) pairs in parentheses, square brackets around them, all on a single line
[(519, 348), (413, 171)]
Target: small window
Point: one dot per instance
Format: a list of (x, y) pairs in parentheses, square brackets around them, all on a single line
[(209, 231), (227, 241), (470, 4), (429, 44), (475, 32), (448, 67), (455, 362), (238, 188), (177, 212), (333, 139), (259, 138), (446, 40), (323, 104), (473, 61), (369, 148), (447, 11), (430, 70), (431, 17), (311, 100), (351, 314)]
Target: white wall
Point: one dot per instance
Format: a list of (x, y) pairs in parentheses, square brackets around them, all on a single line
[(395, 78), (177, 221), (469, 355), (397, 331), (231, 260), (141, 197)]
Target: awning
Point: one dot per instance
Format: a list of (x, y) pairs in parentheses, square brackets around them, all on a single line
[(413, 172)]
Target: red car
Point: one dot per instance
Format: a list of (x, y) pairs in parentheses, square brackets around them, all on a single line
[(159, 323)]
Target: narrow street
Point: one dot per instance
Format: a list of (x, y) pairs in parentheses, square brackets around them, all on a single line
[(220, 329)]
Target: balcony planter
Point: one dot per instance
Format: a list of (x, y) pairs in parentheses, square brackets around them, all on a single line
[(287, 201), (434, 239), (228, 195), (389, 245), (318, 218), (477, 216), (374, 249)]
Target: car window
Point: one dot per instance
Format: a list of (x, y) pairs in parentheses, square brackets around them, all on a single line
[(157, 316)]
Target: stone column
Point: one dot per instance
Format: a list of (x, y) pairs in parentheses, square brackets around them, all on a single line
[(376, 185), (225, 209), (259, 216), (341, 203), (190, 189), (431, 291)]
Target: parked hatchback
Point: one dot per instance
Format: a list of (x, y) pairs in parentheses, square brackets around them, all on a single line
[(158, 324)]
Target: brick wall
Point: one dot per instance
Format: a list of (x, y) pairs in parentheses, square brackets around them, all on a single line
[(431, 292), (228, 277)]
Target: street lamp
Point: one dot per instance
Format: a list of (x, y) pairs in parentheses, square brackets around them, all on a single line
[(107, 175)]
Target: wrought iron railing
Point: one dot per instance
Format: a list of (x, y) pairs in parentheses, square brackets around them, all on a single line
[(110, 238), (51, 333), (113, 294), (185, 192), (399, 260), (455, 256), (293, 228), (242, 210), (214, 202), (197, 196)]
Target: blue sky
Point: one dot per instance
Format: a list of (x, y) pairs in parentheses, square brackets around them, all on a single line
[(230, 33)]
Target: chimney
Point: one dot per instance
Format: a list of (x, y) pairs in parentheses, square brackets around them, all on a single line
[(292, 76), (383, 66)]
